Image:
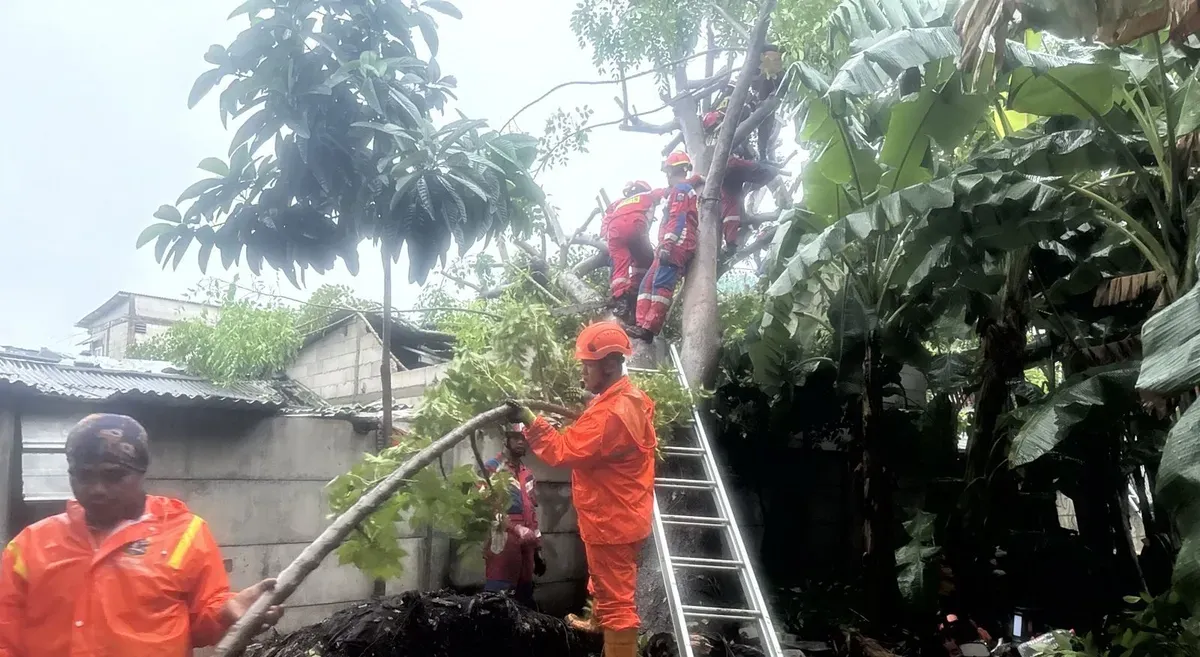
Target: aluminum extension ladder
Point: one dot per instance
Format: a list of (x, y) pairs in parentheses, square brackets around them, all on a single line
[(707, 480)]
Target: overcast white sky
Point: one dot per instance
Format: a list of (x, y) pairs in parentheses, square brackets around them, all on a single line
[(97, 135)]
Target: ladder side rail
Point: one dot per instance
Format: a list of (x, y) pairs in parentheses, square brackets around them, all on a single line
[(674, 601), (770, 639)]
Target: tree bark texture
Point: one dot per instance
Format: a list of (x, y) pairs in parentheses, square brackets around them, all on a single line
[(384, 436), (238, 636)]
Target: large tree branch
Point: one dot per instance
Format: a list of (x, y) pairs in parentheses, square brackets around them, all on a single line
[(759, 243), (617, 80), (578, 237), (733, 22)]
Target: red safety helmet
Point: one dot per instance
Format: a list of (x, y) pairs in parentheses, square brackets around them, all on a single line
[(677, 159), (602, 339), (635, 186)]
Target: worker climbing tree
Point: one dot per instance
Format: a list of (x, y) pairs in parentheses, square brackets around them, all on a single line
[(676, 244)]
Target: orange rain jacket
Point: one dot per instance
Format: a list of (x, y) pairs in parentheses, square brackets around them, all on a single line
[(155, 587), (610, 450)]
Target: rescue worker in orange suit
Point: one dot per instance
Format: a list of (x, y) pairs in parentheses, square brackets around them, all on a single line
[(512, 559), (626, 230), (610, 450), (741, 177), (676, 244), (121, 572)]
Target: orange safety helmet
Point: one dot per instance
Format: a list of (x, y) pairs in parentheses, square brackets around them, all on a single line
[(677, 159), (602, 339), (634, 186)]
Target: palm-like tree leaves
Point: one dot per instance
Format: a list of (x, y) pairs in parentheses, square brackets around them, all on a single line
[(1108, 387), (1171, 344)]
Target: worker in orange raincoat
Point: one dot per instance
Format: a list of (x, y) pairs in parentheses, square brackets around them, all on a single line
[(676, 245), (120, 573), (626, 231), (610, 450)]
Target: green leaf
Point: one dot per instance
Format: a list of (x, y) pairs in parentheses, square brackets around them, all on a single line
[(1170, 347), (1187, 104), (152, 232), (918, 574), (198, 188), (1070, 404), (1043, 93), (428, 31), (874, 68), (168, 213), (1179, 491), (214, 165), (945, 118), (443, 7), (249, 128), (370, 95), (203, 85)]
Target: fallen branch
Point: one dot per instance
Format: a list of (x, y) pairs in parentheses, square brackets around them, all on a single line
[(238, 636)]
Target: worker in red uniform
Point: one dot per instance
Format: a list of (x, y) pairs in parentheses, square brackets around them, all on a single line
[(121, 573), (626, 230), (514, 558), (676, 244), (610, 450), (741, 177)]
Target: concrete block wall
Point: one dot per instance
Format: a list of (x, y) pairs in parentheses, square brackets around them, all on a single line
[(343, 367), (261, 488)]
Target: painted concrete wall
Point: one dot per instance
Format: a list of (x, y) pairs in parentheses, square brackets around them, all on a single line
[(343, 367), (171, 310)]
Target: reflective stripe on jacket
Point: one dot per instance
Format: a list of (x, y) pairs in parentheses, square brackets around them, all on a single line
[(610, 450), (154, 587)]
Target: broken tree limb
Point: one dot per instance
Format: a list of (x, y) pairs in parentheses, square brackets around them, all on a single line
[(238, 636)]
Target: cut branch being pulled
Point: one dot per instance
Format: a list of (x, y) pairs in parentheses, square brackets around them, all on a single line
[(238, 636)]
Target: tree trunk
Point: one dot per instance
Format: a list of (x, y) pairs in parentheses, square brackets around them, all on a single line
[(384, 437), (701, 325), (878, 487)]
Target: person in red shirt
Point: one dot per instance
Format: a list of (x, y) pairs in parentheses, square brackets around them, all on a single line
[(626, 230), (121, 572), (676, 244), (741, 177), (513, 560), (610, 450)]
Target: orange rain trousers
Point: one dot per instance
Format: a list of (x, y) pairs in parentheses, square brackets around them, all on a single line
[(612, 581), (154, 588), (610, 450)]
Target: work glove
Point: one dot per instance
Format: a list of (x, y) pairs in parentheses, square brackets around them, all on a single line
[(519, 413), (539, 564)]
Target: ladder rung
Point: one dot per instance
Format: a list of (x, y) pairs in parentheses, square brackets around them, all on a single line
[(691, 611), (683, 451), (694, 521), (710, 564), (685, 484)]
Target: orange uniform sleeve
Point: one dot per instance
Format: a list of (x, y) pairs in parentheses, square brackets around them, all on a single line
[(14, 587), (583, 442), (209, 588)]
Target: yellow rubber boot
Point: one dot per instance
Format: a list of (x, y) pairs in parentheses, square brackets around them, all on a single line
[(588, 624), (621, 643)]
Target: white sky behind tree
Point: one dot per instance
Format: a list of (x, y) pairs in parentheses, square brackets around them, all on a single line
[(97, 135)]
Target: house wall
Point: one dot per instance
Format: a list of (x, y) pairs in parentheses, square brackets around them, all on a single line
[(116, 329), (343, 367), (171, 310)]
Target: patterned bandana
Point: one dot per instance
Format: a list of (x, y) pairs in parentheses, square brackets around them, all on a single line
[(108, 438)]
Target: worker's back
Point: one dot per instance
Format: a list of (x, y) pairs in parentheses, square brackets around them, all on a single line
[(614, 494)]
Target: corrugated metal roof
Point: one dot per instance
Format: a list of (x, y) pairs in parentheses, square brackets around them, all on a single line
[(105, 379)]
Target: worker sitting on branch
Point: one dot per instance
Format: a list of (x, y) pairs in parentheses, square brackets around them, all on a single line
[(610, 450), (121, 572), (513, 557), (676, 244), (741, 177), (626, 230)]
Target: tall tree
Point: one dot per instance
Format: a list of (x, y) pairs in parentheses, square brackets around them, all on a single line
[(337, 145)]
